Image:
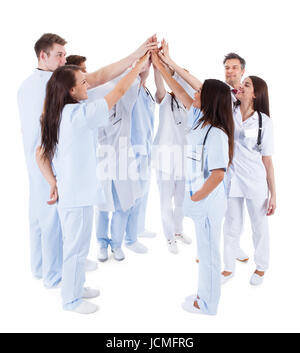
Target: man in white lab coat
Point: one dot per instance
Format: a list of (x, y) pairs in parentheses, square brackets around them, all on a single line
[(234, 67)]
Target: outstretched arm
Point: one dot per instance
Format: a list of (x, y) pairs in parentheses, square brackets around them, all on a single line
[(46, 170), (160, 87), (189, 78), (109, 72), (122, 86), (182, 95)]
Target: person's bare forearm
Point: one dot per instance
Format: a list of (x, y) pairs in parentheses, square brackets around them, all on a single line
[(189, 78), (180, 93), (109, 72), (123, 85), (211, 183), (160, 87), (267, 161), (45, 167)]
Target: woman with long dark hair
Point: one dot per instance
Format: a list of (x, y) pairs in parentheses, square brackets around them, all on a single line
[(250, 177), (209, 151), (68, 127)]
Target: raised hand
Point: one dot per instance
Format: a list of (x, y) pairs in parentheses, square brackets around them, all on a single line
[(156, 60), (164, 53), (149, 44), (143, 61)]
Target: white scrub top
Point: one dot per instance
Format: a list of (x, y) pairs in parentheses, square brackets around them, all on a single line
[(247, 176), (170, 137), (216, 155), (75, 158)]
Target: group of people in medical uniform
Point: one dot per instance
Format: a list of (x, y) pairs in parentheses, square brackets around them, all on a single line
[(89, 142)]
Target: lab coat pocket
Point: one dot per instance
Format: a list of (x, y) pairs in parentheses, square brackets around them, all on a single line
[(250, 138)]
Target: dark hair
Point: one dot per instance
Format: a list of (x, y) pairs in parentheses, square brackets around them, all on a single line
[(216, 107), (75, 60), (235, 56), (46, 42), (57, 96), (261, 100)]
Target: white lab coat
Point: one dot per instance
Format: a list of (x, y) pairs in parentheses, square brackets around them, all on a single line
[(247, 183), (117, 134)]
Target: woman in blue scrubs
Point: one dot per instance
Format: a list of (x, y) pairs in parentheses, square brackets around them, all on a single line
[(209, 152), (68, 127)]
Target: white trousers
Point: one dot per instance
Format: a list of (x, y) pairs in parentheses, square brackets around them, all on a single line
[(233, 227), (172, 215)]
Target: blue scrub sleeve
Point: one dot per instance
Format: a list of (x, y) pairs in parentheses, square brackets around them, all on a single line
[(193, 115), (96, 113), (217, 149)]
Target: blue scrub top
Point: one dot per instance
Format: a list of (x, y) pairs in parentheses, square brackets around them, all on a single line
[(216, 155), (142, 121), (75, 158)]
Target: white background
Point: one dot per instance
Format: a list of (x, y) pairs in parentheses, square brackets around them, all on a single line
[(144, 292)]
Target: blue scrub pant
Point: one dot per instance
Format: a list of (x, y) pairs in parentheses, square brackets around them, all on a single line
[(142, 213), (145, 184), (102, 224), (136, 212), (208, 221), (45, 241), (76, 225), (121, 222)]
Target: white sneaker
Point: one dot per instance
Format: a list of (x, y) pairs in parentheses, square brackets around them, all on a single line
[(241, 255), (172, 246), (189, 307), (102, 254), (85, 308), (137, 247), (184, 238), (118, 254), (89, 293), (225, 279), (256, 279), (90, 265), (147, 234)]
